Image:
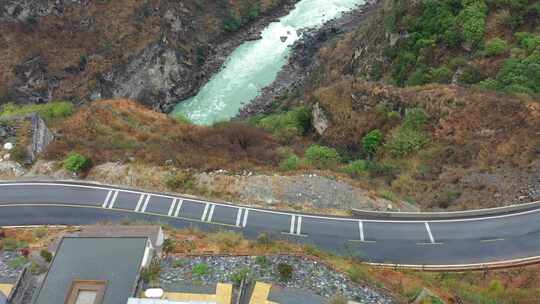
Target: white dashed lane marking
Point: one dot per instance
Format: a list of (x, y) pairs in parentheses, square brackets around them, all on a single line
[(431, 239), (361, 229), (113, 199), (143, 209), (106, 201), (178, 206), (205, 212), (171, 209), (246, 213), (211, 213), (138, 207)]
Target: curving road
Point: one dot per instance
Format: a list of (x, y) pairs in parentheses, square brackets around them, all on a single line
[(467, 242)]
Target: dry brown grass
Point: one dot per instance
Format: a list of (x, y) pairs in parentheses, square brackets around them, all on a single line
[(118, 129)]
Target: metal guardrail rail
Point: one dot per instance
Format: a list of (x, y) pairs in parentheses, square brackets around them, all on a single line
[(357, 213)]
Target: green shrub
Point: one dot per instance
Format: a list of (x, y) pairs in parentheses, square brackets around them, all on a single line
[(415, 118), (238, 276), (441, 75), (285, 271), (178, 264), (76, 162), (372, 141), (48, 111), (10, 244), (495, 47), (180, 180), (470, 75), (357, 168), (291, 163), (322, 157), (200, 270), (287, 125), (261, 261), (405, 141), (46, 255), (40, 232), (473, 21), (17, 263)]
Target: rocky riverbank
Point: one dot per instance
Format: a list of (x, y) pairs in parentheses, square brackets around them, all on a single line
[(155, 52), (302, 61)]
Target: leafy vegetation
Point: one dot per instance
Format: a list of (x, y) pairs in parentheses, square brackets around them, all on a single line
[(76, 162), (371, 142), (322, 157), (285, 271), (48, 111), (287, 125), (200, 270)]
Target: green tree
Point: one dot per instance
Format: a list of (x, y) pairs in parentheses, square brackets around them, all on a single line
[(76, 162), (322, 157), (371, 142)]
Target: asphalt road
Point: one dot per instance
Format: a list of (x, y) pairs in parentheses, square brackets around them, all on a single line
[(413, 242)]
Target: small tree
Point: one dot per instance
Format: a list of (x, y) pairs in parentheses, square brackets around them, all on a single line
[(322, 157), (371, 142), (76, 162), (46, 255), (285, 271)]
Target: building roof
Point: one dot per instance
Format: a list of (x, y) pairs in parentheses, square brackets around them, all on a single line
[(151, 231), (115, 261)]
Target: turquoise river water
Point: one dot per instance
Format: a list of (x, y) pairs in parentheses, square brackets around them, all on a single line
[(255, 64)]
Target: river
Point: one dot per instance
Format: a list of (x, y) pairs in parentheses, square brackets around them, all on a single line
[(255, 64)]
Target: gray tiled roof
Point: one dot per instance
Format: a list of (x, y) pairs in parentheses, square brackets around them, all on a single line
[(114, 260)]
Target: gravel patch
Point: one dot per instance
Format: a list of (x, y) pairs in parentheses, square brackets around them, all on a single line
[(8, 274), (308, 275)]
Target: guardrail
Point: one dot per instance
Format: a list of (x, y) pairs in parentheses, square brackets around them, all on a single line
[(446, 215)]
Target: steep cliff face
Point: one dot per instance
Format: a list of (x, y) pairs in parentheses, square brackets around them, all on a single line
[(153, 51)]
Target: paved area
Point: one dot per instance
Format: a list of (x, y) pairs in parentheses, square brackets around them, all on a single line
[(417, 242)]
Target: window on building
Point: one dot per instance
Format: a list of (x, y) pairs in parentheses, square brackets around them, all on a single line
[(86, 292)]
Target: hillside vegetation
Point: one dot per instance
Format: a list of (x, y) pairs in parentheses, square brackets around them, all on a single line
[(434, 102)]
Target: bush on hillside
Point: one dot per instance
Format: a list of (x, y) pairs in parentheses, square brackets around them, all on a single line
[(291, 163), (322, 157), (48, 111), (357, 168), (76, 162), (372, 141), (495, 47), (287, 125)]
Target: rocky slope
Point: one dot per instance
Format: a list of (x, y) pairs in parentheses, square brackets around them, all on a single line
[(477, 148), (154, 51)]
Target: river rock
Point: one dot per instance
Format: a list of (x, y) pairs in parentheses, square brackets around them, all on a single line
[(8, 146)]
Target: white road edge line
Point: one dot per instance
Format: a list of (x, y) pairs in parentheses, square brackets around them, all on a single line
[(361, 229), (106, 199), (239, 216), (109, 187), (431, 239), (293, 220), (171, 209), (246, 213), (139, 203), (178, 207), (113, 200), (299, 226), (143, 209), (205, 211), (211, 214)]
